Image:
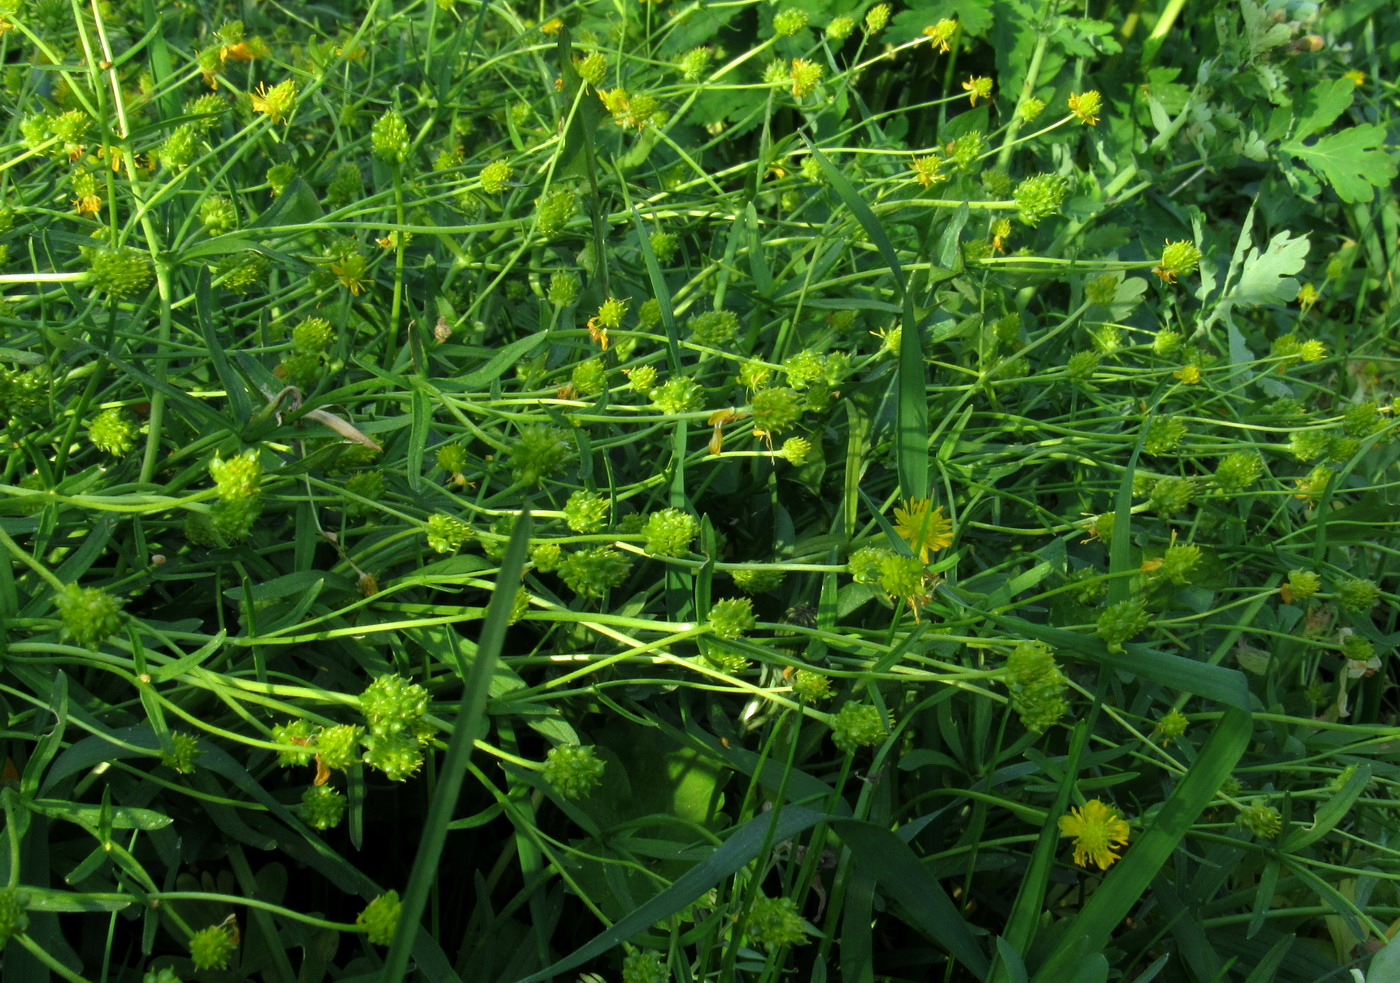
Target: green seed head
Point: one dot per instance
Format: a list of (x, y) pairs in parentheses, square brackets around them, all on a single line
[(538, 452), (713, 328), (586, 511), (392, 704), (113, 432), (678, 395), (1357, 595), (380, 918), (1036, 685), (184, 748), (788, 22), (774, 923), (1264, 821), (322, 807), (446, 534), (346, 185), (117, 270), (1039, 197), (1120, 622), (858, 725), (89, 615), (14, 913), (573, 769), (670, 532), (563, 288), (876, 18), (210, 948), (840, 28), (1170, 495), (694, 63), (810, 686), (593, 572), (397, 755), (775, 410), (389, 138), (495, 177), (732, 617), (339, 745)]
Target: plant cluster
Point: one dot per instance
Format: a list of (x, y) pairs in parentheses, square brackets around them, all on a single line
[(698, 491)]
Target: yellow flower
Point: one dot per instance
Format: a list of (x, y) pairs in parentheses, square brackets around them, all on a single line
[(1307, 296), (1086, 106), (978, 87), (925, 530), (352, 270), (1097, 829), (1357, 77), (940, 33), (552, 26), (1188, 374), (1001, 231), (88, 204), (805, 75), (926, 169), (277, 101)]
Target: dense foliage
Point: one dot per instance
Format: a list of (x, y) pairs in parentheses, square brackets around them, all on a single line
[(698, 491)]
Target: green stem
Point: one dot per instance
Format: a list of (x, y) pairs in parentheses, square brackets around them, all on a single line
[(1027, 90), (19, 554), (42, 954)]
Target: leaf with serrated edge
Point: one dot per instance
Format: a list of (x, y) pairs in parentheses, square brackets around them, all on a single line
[(1353, 161), (1267, 277)]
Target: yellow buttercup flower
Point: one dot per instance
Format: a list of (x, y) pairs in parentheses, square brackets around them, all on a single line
[(925, 529), (1086, 106), (1097, 829), (352, 271), (941, 33), (277, 102), (978, 87)]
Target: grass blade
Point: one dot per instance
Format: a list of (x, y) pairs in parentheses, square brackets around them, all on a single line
[(459, 749), (911, 382), (900, 873)]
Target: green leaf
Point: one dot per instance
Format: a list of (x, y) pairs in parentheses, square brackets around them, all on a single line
[(296, 205), (1267, 968), (1323, 105), (481, 378), (1267, 277), (1353, 161), (1385, 965), (899, 872), (1332, 812), (24, 358), (119, 817)]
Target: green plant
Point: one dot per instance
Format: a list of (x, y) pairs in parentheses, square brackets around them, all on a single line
[(699, 491)]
